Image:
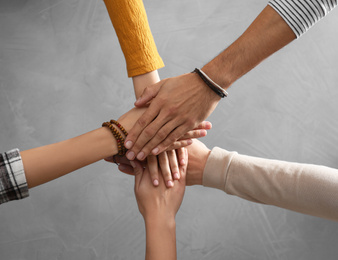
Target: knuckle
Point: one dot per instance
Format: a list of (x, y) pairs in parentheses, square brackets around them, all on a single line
[(161, 134), (172, 110), (190, 123), (167, 175), (148, 132), (142, 122), (173, 138)]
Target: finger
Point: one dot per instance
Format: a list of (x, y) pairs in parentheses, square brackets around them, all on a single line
[(179, 144), (162, 135), (173, 163), (165, 168), (153, 169), (152, 135), (125, 168), (181, 155), (142, 132), (199, 131), (194, 134), (172, 137), (204, 125), (148, 94), (183, 168)]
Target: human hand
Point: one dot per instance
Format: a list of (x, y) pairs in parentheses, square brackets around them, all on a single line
[(198, 156), (158, 201), (167, 162), (179, 104), (129, 119)]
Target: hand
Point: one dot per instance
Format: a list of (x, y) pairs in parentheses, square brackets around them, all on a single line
[(167, 162), (153, 201), (179, 105), (129, 119), (198, 156)]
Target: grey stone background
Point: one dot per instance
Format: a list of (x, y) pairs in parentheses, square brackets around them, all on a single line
[(62, 73)]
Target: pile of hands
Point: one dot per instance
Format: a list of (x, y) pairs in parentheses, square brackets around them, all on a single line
[(160, 180)]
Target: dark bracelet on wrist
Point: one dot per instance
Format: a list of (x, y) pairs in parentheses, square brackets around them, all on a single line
[(210, 83)]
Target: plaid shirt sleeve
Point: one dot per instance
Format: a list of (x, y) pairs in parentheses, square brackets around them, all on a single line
[(13, 184)]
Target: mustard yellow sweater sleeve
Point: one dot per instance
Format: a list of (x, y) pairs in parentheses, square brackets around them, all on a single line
[(130, 22)]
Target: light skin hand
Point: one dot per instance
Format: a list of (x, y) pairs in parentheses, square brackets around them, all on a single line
[(173, 112), (158, 206), (198, 156)]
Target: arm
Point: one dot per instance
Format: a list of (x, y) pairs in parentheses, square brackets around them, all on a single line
[(305, 188), (158, 206), (52, 161), (130, 22), (169, 114)]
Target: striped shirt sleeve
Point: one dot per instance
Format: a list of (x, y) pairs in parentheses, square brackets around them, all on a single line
[(301, 15), (13, 184)]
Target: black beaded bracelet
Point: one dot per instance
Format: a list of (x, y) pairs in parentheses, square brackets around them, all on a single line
[(211, 84)]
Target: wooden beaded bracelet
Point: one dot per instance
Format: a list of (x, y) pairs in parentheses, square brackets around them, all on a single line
[(119, 138), (119, 126)]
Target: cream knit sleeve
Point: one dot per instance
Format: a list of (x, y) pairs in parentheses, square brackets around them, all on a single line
[(305, 188)]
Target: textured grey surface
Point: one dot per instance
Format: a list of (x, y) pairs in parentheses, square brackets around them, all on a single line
[(62, 73)]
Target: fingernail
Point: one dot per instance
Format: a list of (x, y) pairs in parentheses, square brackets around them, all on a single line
[(155, 182), (140, 156), (176, 176), (133, 164), (128, 144), (155, 151), (204, 132), (182, 162), (189, 141), (170, 184), (130, 155)]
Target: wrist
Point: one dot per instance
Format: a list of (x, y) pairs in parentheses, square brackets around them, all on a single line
[(219, 73), (159, 219), (107, 141), (140, 82)]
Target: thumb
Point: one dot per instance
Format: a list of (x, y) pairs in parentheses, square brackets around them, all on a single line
[(148, 94)]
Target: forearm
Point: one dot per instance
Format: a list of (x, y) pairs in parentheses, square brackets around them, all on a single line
[(160, 238), (267, 34), (52, 161), (305, 188)]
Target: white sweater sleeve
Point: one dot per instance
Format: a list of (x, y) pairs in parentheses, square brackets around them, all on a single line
[(305, 188), (301, 15)]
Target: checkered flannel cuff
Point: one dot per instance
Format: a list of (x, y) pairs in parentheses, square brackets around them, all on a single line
[(13, 184)]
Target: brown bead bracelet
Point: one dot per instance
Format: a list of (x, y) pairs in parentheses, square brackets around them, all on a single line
[(118, 136)]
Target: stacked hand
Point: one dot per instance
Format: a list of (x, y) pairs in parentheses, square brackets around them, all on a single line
[(177, 105), (168, 161)]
